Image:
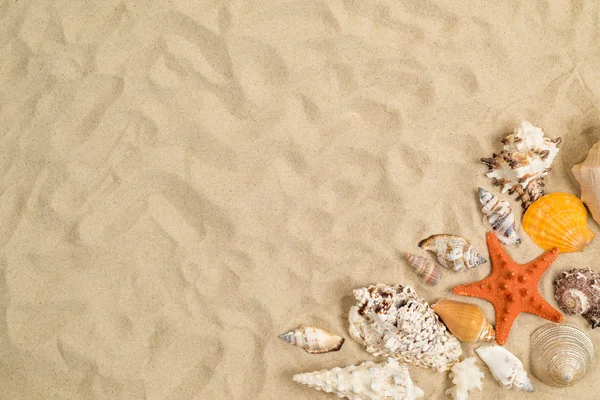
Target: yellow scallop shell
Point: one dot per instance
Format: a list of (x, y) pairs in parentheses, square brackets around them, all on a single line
[(558, 220)]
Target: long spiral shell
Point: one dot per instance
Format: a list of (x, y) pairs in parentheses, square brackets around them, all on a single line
[(500, 216), (427, 271), (561, 354), (313, 340)]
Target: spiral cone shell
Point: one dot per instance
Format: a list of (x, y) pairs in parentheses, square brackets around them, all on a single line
[(313, 340), (500, 216), (558, 220), (465, 321), (561, 354), (367, 381), (452, 252), (587, 174), (427, 271)]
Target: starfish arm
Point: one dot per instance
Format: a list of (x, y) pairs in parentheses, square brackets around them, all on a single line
[(541, 308), (495, 249), (541, 264), (476, 289), (504, 321)]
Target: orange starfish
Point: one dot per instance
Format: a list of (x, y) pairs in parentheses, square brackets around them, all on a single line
[(512, 288)]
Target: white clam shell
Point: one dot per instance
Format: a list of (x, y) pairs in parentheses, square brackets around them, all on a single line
[(561, 354)]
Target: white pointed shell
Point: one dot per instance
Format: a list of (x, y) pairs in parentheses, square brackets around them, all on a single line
[(427, 271), (500, 216), (561, 354), (367, 381), (522, 165), (452, 252), (506, 368), (465, 376), (587, 174), (313, 340), (393, 321)]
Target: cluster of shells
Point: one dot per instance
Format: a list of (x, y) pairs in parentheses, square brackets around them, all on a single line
[(393, 321)]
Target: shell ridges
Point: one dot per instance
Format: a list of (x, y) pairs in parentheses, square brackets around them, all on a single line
[(561, 354), (558, 220)]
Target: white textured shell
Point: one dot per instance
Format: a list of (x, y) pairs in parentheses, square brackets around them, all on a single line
[(587, 174), (506, 368), (393, 321), (452, 252), (522, 165), (500, 216), (465, 376), (368, 381), (313, 340)]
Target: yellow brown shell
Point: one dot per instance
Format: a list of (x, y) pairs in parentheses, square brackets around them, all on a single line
[(558, 220), (466, 321)]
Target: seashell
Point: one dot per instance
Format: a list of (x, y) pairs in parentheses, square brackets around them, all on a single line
[(523, 163), (367, 381), (392, 321), (427, 271), (561, 354), (465, 321), (506, 368), (587, 174), (452, 252), (558, 220), (500, 216), (465, 376), (313, 340), (578, 293)]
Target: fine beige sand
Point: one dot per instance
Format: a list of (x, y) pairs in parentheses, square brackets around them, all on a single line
[(183, 181)]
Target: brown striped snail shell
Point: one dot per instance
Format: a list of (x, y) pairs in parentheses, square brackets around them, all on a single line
[(427, 271), (561, 354)]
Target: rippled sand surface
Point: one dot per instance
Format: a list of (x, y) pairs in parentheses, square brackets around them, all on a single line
[(182, 181)]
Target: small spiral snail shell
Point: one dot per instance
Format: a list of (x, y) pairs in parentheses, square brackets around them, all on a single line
[(427, 271), (577, 292)]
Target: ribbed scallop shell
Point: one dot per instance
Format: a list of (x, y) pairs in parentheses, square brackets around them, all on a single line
[(558, 220), (561, 354), (313, 340), (427, 271), (465, 321)]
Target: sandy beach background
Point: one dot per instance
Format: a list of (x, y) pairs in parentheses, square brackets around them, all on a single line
[(182, 181)]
